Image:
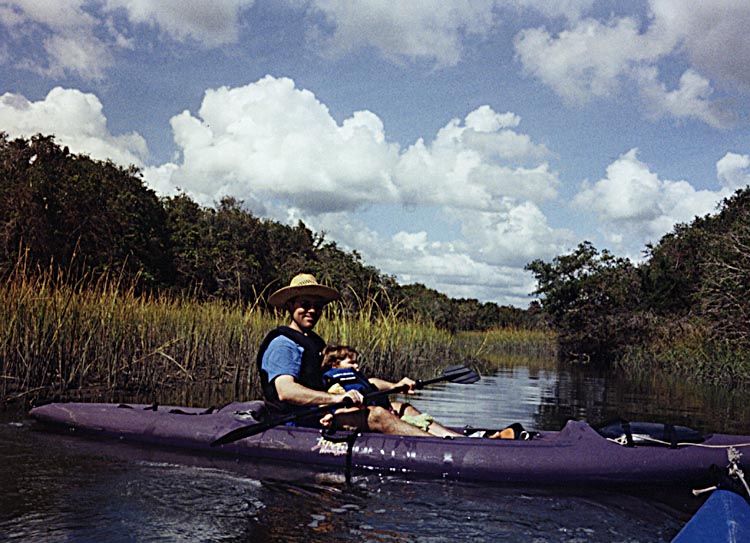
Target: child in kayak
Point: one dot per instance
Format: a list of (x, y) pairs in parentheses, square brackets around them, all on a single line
[(341, 373)]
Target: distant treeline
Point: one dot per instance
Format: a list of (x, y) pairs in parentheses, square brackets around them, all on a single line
[(88, 219), (686, 308)]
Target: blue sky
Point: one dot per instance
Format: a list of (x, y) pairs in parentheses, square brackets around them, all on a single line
[(450, 143)]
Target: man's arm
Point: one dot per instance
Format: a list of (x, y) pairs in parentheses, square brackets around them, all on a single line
[(291, 391), (282, 361)]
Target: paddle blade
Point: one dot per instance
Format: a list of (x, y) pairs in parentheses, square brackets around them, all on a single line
[(461, 374), (455, 374)]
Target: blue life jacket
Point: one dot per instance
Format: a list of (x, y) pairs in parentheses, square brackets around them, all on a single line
[(351, 379)]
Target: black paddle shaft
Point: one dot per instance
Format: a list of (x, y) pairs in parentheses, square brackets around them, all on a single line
[(454, 374)]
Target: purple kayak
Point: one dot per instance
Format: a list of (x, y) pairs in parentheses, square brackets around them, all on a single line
[(576, 455)]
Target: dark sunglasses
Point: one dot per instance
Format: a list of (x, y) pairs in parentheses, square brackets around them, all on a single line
[(307, 304)]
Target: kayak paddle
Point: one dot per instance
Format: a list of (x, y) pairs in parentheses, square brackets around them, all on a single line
[(454, 374)]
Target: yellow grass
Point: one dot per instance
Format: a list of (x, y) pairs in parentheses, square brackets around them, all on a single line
[(104, 341)]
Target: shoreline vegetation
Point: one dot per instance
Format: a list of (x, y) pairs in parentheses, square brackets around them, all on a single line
[(106, 342), (109, 292)]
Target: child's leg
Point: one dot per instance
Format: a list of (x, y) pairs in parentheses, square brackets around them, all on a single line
[(404, 409)]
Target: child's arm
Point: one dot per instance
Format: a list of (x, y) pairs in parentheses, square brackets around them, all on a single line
[(382, 384)]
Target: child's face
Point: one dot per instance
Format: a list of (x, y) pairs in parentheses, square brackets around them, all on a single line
[(349, 362)]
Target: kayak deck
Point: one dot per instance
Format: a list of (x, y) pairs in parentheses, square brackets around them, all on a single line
[(575, 455)]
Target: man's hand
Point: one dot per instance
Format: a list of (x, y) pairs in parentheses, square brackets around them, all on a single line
[(354, 396)]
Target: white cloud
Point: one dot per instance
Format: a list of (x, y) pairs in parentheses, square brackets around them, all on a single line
[(589, 59), (66, 32), (428, 30), (483, 119), (690, 100), (75, 119), (513, 236), (61, 14), (635, 206), (596, 59), (418, 29), (271, 141), (471, 166), (484, 261), (159, 178), (82, 55), (80, 37), (713, 33), (447, 268), (413, 258), (733, 171), (211, 24)]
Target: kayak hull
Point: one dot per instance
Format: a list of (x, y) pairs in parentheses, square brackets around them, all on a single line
[(576, 455)]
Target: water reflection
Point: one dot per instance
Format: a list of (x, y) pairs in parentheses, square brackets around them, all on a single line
[(545, 399), (381, 509)]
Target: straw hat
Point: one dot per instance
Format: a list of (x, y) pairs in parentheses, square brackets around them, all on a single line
[(302, 284)]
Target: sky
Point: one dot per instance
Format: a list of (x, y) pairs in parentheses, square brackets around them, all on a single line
[(449, 142)]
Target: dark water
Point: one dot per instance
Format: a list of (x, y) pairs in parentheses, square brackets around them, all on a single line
[(64, 488)]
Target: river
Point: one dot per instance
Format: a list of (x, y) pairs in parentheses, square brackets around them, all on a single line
[(70, 489)]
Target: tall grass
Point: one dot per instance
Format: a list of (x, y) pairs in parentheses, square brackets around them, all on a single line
[(102, 340), (507, 347), (59, 340), (688, 352)]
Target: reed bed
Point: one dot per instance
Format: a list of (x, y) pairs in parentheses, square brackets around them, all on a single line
[(509, 348), (59, 340), (103, 341), (688, 351), (704, 362)]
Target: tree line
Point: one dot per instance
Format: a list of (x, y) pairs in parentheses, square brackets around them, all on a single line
[(88, 218), (688, 301)]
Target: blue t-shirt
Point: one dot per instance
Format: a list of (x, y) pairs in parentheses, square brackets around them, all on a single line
[(283, 357)]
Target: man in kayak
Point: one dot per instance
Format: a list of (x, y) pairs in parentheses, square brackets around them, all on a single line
[(289, 360), (341, 373)]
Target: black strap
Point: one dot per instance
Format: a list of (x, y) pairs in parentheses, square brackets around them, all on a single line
[(178, 411), (402, 409), (670, 435), (628, 434), (153, 407)]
